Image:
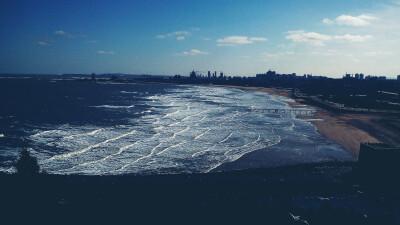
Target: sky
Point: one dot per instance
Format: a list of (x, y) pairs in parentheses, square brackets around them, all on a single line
[(238, 38)]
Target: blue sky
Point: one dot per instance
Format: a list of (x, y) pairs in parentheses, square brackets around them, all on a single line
[(173, 37)]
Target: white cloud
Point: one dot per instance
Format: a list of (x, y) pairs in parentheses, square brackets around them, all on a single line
[(193, 52), (235, 40), (59, 32), (42, 43), (327, 21), (206, 39), (195, 28), (361, 20), (180, 34), (258, 39), (310, 37), (378, 53), (63, 33), (238, 40), (317, 39), (92, 42), (353, 38), (106, 53), (219, 44)]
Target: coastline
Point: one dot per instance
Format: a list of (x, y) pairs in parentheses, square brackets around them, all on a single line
[(345, 129)]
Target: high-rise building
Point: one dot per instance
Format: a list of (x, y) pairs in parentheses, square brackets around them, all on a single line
[(398, 77), (209, 74)]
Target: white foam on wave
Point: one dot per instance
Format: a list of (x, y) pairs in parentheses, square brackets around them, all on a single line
[(204, 151), (169, 114), (168, 148), (84, 134), (128, 92), (200, 135), (69, 154), (181, 131), (248, 144), (141, 158), (120, 150), (45, 133), (1, 135), (115, 106), (227, 137)]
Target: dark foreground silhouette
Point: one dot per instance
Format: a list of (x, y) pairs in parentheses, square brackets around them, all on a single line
[(319, 193)]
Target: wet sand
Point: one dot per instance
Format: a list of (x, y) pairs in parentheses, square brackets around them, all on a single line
[(346, 129)]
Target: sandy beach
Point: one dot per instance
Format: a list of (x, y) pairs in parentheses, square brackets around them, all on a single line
[(346, 129)]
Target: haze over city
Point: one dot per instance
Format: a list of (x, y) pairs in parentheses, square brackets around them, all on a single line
[(243, 38)]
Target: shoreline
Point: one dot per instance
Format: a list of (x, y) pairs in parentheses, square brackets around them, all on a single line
[(345, 129)]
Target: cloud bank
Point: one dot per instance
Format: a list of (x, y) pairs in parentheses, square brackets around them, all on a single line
[(238, 40), (316, 39), (357, 21), (105, 52), (193, 52)]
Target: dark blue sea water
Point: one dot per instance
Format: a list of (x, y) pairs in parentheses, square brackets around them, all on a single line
[(76, 127)]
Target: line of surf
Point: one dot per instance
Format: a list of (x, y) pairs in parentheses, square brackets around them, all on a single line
[(84, 134), (69, 154), (166, 149), (141, 158), (181, 131), (109, 156)]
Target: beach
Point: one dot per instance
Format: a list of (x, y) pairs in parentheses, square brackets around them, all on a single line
[(345, 129)]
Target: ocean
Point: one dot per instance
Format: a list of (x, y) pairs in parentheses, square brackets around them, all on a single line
[(106, 128)]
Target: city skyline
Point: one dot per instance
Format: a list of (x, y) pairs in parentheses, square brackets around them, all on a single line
[(327, 38)]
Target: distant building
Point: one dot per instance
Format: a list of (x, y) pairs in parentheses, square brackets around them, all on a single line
[(268, 75), (361, 76), (209, 74), (398, 77), (381, 78), (193, 75)]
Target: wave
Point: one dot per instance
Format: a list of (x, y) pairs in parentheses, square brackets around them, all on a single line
[(1, 135), (84, 134), (69, 154), (199, 136), (247, 144), (204, 151), (44, 133), (227, 137), (115, 106), (166, 149), (193, 115), (169, 114), (128, 92), (120, 150), (179, 132), (141, 158)]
